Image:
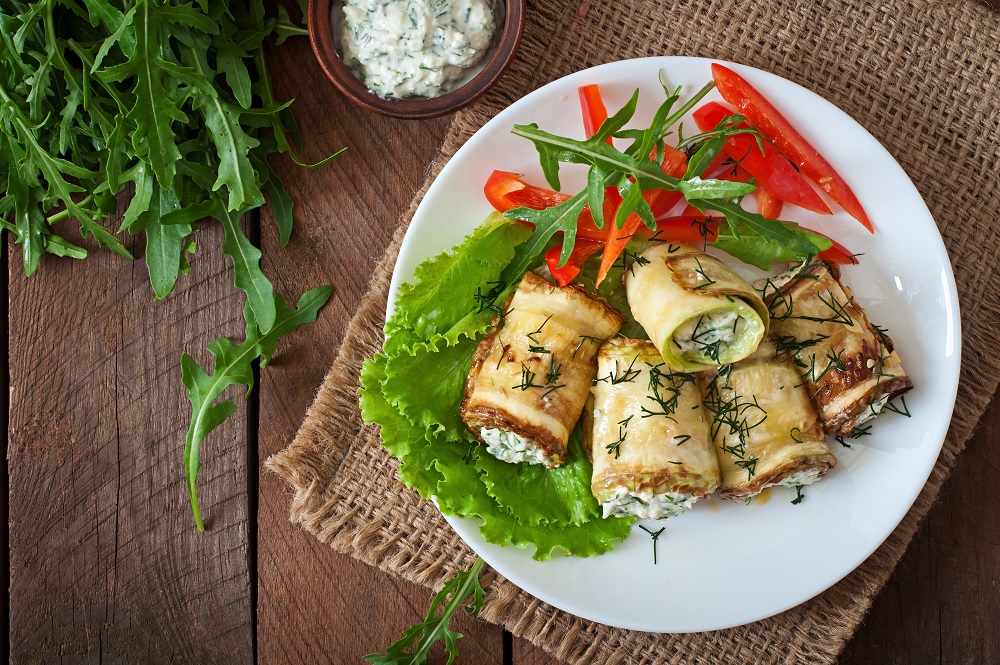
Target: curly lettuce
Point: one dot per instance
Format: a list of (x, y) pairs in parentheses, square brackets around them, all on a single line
[(413, 391)]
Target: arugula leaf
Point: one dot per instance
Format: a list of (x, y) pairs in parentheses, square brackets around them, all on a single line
[(759, 241), (561, 218), (246, 266), (163, 242), (156, 105), (462, 590), (234, 365)]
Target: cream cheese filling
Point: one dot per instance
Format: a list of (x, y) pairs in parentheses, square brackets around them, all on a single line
[(647, 504), (511, 447)]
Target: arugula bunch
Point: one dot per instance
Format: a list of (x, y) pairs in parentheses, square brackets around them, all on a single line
[(747, 236), (172, 99), (414, 390)]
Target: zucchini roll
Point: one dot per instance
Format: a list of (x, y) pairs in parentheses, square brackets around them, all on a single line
[(765, 429), (531, 374), (698, 312), (648, 435), (848, 365)]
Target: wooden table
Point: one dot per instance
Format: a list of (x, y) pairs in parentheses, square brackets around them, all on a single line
[(105, 562)]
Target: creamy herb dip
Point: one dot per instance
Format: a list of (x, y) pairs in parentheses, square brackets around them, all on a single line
[(414, 48)]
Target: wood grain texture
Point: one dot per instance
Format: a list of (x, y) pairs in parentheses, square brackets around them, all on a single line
[(314, 605), (942, 604), (106, 563)]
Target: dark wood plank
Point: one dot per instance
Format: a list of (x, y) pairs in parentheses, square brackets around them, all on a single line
[(106, 563), (315, 605), (942, 605)]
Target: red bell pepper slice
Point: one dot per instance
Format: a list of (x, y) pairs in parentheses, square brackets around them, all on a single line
[(675, 164), (506, 191), (594, 110), (768, 204), (582, 250), (770, 123), (838, 254), (769, 167), (692, 229)]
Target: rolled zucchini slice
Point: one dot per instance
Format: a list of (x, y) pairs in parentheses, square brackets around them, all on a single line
[(849, 366), (647, 435), (765, 429), (696, 310), (531, 374)]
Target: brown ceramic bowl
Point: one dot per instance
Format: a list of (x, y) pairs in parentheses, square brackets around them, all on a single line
[(502, 50)]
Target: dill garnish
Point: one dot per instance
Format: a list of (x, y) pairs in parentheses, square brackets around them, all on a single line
[(798, 495), (587, 338), (701, 271), (615, 378), (527, 379), (901, 410), (552, 375), (654, 535), (533, 335), (616, 446)]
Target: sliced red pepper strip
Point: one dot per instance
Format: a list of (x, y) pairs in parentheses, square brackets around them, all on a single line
[(768, 204), (692, 229), (594, 110), (674, 163), (838, 254), (506, 191), (770, 123), (582, 250), (769, 167)]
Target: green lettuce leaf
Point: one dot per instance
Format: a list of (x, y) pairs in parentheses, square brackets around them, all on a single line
[(414, 392), (443, 290), (462, 493), (538, 495), (427, 385)]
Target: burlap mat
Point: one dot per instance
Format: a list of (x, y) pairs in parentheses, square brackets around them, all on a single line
[(921, 77)]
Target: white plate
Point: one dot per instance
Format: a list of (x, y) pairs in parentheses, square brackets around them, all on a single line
[(723, 564)]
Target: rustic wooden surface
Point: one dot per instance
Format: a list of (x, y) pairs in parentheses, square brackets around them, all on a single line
[(104, 560)]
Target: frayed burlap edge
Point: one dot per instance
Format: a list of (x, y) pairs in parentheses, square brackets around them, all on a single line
[(335, 509)]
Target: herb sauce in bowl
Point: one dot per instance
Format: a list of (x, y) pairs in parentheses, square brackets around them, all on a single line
[(414, 48)]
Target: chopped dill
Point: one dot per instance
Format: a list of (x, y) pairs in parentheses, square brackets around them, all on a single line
[(615, 378), (597, 341), (533, 335), (902, 410), (654, 535), (616, 446), (527, 379), (798, 495), (552, 375)]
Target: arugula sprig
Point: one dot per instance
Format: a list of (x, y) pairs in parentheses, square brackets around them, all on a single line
[(747, 236), (463, 590), (234, 365)]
